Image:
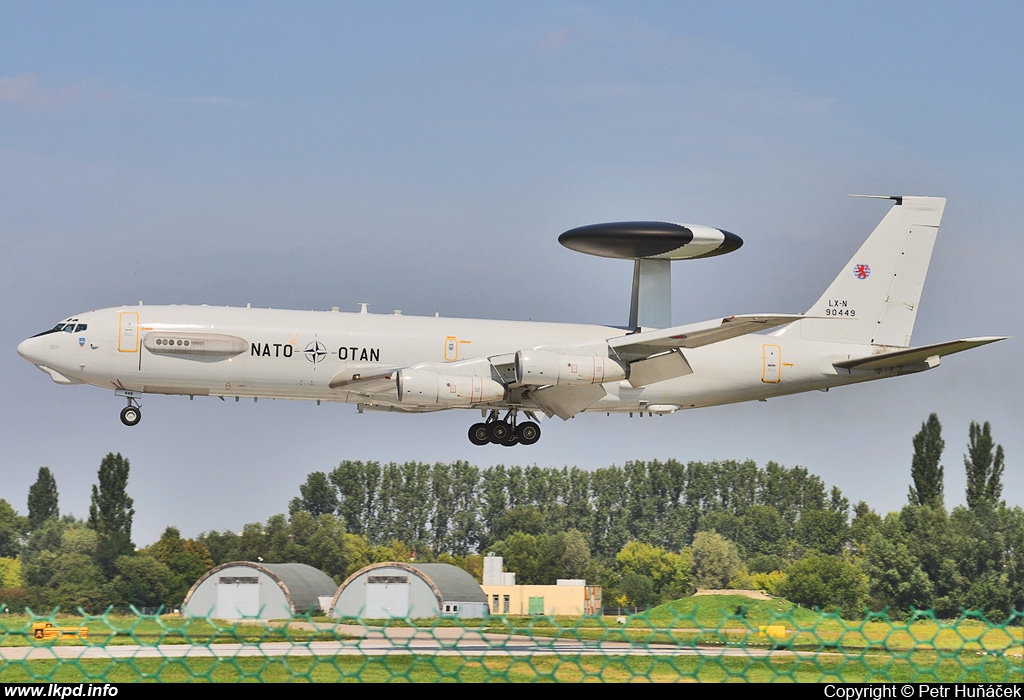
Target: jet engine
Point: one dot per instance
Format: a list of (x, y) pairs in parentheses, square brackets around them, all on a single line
[(422, 386), (542, 367)]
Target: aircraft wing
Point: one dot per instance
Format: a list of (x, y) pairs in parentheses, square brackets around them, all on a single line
[(695, 335), (654, 356), (925, 355)]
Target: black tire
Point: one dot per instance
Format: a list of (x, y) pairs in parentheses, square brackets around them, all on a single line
[(478, 434), (512, 440), (131, 415), (498, 431), (528, 432)]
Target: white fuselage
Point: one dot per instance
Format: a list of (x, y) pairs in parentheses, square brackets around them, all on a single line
[(295, 354)]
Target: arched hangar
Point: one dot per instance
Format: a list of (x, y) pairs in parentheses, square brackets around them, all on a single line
[(257, 590), (396, 589)]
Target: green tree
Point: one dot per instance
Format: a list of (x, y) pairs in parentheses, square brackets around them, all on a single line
[(939, 551), (864, 525), (186, 561), (42, 499), (111, 512), (329, 550), (141, 581), (984, 467), (223, 547), (925, 470), (280, 545), (535, 559), (764, 532), (39, 550), (12, 527), (668, 572), (576, 555), (68, 576), (10, 573), (638, 590), (984, 540), (896, 580), (716, 561), (825, 581), (319, 496), (823, 530), (358, 487)]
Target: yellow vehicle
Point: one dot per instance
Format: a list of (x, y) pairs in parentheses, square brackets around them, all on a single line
[(46, 630)]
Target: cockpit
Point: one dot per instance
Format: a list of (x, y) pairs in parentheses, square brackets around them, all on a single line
[(71, 325)]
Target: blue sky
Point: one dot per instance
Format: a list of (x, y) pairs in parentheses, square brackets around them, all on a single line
[(425, 157)]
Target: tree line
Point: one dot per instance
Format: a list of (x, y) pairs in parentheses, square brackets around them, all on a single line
[(48, 560), (646, 532), (651, 531)]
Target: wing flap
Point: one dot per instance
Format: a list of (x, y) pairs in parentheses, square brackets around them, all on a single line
[(914, 356), (566, 401), (658, 368)]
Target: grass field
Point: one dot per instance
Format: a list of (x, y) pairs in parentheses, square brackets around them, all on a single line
[(718, 639)]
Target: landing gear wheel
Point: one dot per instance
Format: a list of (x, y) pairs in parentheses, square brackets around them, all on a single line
[(512, 440), (131, 415), (478, 434), (528, 432), (498, 431)]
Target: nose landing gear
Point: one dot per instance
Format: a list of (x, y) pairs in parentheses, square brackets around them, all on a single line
[(506, 431), (132, 413)]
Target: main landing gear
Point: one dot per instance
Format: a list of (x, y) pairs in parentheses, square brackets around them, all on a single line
[(132, 413), (505, 431)]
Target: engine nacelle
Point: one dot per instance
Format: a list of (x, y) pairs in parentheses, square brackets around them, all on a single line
[(423, 387), (541, 367)]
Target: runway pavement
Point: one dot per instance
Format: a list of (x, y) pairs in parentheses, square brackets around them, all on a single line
[(439, 641)]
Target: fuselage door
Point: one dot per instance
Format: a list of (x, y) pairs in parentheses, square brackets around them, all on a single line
[(770, 367), (451, 348), (128, 331)]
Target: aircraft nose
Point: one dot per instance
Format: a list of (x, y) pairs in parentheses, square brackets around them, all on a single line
[(28, 349)]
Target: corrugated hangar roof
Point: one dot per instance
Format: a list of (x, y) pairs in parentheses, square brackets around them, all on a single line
[(453, 582), (301, 583), (450, 583)]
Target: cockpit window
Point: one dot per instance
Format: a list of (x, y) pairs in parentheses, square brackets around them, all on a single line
[(66, 326)]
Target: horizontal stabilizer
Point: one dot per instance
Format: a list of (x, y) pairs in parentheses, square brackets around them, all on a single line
[(695, 335), (913, 356)]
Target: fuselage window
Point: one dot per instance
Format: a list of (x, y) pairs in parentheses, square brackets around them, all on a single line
[(81, 327)]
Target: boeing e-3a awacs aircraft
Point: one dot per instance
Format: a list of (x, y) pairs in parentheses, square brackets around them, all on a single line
[(859, 330)]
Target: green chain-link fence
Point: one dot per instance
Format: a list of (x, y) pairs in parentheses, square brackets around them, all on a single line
[(662, 645)]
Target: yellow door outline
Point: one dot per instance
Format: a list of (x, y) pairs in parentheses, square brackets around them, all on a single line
[(128, 331), (451, 348), (771, 364)]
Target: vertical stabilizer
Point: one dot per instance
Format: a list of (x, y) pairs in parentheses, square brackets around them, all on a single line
[(874, 299)]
